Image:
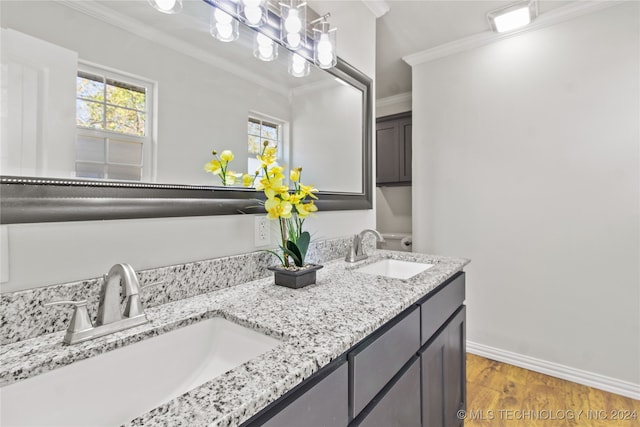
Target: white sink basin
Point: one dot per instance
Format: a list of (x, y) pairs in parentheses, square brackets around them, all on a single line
[(114, 387), (394, 268)]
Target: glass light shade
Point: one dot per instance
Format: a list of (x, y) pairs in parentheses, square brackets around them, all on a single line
[(254, 12), (514, 16), (264, 48), (293, 25), (298, 66), (223, 26), (324, 53), (167, 6)]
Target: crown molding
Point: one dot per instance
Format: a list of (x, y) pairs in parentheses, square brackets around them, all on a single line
[(377, 7), (555, 16), (400, 98), (122, 21)]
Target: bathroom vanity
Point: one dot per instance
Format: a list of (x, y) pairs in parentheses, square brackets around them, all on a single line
[(355, 349)]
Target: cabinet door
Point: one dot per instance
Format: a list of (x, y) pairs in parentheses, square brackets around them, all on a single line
[(325, 404), (404, 129), (387, 152), (455, 369), (400, 406), (444, 375)]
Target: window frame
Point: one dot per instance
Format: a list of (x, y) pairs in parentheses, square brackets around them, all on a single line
[(148, 166)]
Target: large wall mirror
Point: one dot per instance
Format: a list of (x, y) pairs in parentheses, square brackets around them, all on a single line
[(111, 110)]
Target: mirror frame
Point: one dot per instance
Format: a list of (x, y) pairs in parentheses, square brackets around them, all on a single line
[(35, 199)]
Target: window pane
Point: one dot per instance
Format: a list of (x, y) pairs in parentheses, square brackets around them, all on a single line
[(89, 170), (255, 146), (126, 97), (90, 149), (125, 121), (125, 152), (269, 131), (90, 87), (89, 114), (131, 173), (254, 128)]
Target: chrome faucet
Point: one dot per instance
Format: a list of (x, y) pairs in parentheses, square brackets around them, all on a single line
[(120, 282), (356, 252)]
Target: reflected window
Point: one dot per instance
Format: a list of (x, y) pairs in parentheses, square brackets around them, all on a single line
[(260, 130), (113, 114)]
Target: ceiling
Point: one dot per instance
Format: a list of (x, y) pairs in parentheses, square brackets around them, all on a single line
[(411, 26)]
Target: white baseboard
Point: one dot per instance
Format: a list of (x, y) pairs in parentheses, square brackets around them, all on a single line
[(590, 379)]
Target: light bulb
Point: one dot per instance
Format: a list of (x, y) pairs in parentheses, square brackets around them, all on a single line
[(165, 5), (292, 24), (325, 59), (324, 45), (266, 51), (253, 15), (263, 40), (225, 32), (222, 17), (293, 40), (299, 67)]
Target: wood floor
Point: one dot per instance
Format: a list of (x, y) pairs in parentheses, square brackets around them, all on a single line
[(504, 395)]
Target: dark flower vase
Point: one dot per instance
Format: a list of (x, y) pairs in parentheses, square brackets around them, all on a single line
[(295, 278)]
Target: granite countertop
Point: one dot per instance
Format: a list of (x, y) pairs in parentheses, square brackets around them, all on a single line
[(316, 324)]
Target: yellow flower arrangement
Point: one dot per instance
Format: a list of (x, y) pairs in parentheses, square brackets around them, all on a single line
[(287, 205), (219, 166)]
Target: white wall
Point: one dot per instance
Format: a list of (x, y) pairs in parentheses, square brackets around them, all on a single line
[(530, 150), (393, 209), (40, 254), (326, 156)]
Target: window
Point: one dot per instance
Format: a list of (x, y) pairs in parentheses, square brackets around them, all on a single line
[(113, 115), (259, 131)]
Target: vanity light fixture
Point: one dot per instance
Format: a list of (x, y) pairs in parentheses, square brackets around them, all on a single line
[(513, 16), (264, 48), (293, 25), (223, 26), (324, 52), (254, 12), (298, 66), (167, 6)]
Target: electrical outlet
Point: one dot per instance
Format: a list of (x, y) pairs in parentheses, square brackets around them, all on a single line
[(262, 232)]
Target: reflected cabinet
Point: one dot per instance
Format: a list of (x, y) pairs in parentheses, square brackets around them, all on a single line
[(393, 149)]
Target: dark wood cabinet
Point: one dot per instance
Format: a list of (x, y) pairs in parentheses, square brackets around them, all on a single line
[(400, 405), (409, 372), (444, 375), (393, 149)]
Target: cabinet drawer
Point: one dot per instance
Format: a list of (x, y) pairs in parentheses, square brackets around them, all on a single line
[(400, 406), (323, 405), (438, 308), (373, 364)]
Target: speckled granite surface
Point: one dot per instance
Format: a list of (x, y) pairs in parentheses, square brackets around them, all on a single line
[(316, 324), (22, 315)]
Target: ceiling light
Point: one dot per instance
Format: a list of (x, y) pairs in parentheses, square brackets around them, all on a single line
[(298, 66), (223, 26), (167, 6), (514, 16), (264, 48), (324, 54), (293, 26), (254, 12)]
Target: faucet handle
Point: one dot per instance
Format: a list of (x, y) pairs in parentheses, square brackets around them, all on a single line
[(80, 320), (134, 305)]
